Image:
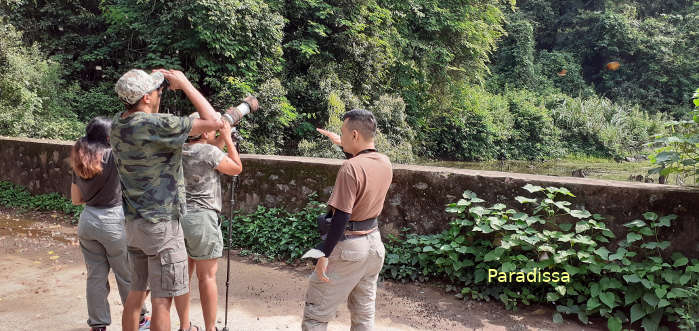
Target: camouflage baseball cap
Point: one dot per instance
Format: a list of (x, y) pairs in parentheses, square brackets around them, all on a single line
[(136, 83)]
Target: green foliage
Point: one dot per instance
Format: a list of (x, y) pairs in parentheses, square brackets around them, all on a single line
[(600, 127), (415, 58), (478, 125), (393, 136), (679, 151), (275, 232), (15, 196), (632, 282), (31, 101)]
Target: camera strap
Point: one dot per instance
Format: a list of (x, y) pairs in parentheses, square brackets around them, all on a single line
[(368, 150)]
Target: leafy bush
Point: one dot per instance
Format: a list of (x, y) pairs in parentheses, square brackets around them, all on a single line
[(33, 99), (478, 125), (631, 283), (679, 151), (15, 196), (275, 232), (599, 127), (393, 136)]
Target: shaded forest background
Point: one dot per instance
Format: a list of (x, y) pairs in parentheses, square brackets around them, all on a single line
[(447, 80)]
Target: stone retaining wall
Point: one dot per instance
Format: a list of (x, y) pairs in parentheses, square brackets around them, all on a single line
[(415, 200)]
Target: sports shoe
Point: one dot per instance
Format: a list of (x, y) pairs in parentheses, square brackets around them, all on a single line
[(144, 324)]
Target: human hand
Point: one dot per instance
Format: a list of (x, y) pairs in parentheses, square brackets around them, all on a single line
[(226, 129), (176, 78), (334, 137), (321, 268), (252, 101)]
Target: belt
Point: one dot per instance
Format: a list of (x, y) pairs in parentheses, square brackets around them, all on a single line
[(353, 236), (364, 225)]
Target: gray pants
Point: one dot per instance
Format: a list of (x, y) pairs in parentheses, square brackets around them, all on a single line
[(103, 244), (353, 269)]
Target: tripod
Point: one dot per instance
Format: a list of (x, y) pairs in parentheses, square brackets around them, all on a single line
[(234, 183)]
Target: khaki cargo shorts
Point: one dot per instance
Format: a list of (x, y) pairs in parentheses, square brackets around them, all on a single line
[(202, 234), (157, 257)]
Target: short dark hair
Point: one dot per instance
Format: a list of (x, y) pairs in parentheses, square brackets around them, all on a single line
[(361, 120)]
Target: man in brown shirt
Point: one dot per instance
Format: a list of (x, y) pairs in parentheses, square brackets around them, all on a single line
[(352, 253)]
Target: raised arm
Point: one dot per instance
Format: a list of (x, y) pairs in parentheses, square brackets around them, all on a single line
[(207, 121), (230, 165)]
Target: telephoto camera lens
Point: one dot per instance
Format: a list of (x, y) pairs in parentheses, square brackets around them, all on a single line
[(234, 114)]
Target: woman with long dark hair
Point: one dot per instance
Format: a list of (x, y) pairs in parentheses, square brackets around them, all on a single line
[(101, 228)]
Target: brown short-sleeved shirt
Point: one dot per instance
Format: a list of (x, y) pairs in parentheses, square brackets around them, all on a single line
[(361, 186)]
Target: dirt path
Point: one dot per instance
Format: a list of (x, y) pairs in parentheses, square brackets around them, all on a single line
[(42, 286)]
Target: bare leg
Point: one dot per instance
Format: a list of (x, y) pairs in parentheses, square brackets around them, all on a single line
[(182, 302), (182, 307), (160, 320), (206, 273), (132, 310)]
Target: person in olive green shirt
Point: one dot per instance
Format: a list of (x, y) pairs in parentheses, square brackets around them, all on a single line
[(148, 152)]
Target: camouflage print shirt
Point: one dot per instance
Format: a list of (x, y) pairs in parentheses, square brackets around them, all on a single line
[(148, 151), (203, 182)]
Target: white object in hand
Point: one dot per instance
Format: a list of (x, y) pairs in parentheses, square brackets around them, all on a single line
[(313, 254)]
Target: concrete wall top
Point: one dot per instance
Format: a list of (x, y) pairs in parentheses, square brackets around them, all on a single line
[(416, 199)]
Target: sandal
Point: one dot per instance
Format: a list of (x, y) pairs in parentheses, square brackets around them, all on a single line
[(197, 328)]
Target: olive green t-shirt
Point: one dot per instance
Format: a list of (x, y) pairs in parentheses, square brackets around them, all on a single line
[(202, 180), (148, 154)]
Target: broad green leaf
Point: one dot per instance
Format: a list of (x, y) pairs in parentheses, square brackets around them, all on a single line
[(607, 283), (557, 318), (608, 298), (665, 220), (660, 292), (632, 294), (582, 226), (635, 224), (614, 324), (650, 216), (646, 231), (651, 322), (508, 266), (602, 252), (650, 299), (680, 262), (580, 214), (565, 226), (532, 188), (480, 275), (478, 210), (592, 303), (552, 296), (494, 254), (525, 200), (594, 289), (632, 278), (561, 289), (684, 279), (677, 293), (632, 237), (427, 249), (498, 206), (637, 312)]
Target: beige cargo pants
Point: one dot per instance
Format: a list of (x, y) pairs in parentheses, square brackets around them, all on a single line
[(353, 270)]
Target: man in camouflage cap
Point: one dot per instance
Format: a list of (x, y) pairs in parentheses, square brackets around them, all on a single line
[(148, 150)]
